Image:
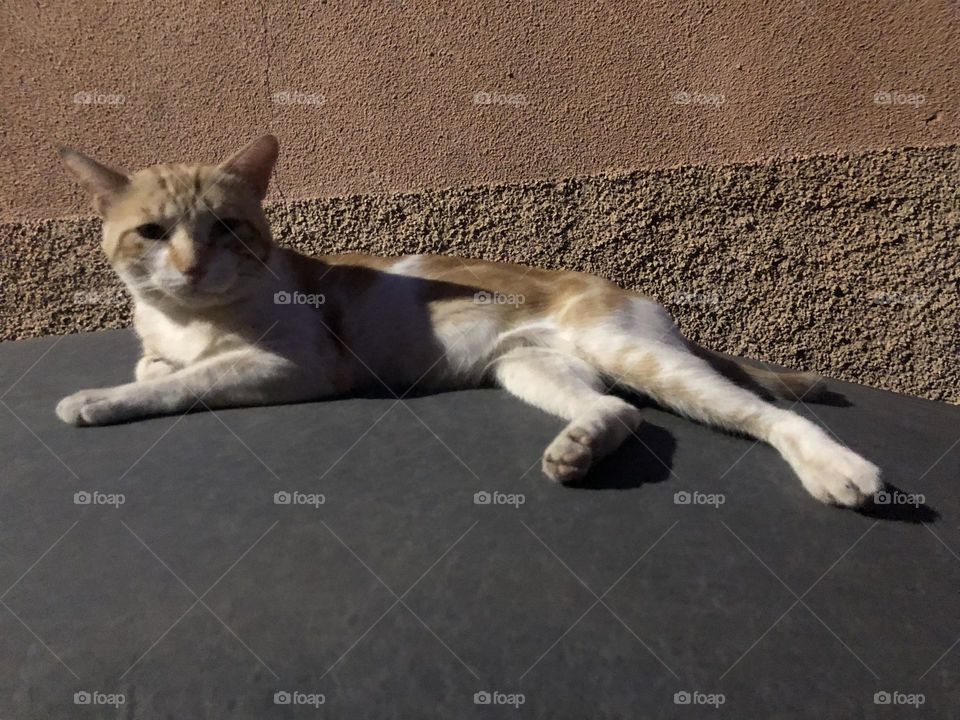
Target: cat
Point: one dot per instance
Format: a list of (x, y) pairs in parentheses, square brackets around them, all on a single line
[(229, 318)]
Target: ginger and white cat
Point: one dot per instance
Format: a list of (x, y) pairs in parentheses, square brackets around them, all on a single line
[(228, 318)]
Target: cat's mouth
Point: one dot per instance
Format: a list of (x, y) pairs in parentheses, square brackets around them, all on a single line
[(191, 294)]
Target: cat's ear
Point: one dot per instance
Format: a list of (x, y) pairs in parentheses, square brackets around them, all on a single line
[(255, 163), (102, 183)]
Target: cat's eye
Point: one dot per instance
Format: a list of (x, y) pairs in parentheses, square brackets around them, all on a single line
[(152, 231)]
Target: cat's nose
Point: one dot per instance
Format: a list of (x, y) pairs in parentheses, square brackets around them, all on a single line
[(194, 273)]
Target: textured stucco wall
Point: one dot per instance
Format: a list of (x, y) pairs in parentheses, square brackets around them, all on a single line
[(843, 262), (847, 265), (375, 96)]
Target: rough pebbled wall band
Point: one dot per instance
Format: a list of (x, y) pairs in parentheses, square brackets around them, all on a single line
[(847, 265)]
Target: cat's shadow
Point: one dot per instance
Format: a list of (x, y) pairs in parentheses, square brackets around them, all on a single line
[(916, 513), (645, 457)]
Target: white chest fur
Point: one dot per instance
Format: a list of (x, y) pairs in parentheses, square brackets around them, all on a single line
[(180, 343)]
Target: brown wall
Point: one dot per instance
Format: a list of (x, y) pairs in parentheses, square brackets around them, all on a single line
[(846, 265), (387, 89), (842, 260)]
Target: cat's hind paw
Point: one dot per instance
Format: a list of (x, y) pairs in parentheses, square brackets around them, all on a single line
[(569, 456), (838, 476)]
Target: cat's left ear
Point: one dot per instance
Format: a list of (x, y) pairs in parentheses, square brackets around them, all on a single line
[(255, 163), (102, 183)]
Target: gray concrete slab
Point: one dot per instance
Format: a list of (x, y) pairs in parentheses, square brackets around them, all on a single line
[(400, 596)]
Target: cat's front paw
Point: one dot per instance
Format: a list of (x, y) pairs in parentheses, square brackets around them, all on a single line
[(87, 407), (150, 367)]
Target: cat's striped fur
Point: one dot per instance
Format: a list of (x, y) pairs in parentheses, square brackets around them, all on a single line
[(229, 318)]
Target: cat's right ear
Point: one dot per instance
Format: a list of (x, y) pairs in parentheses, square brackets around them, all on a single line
[(254, 163), (103, 184)]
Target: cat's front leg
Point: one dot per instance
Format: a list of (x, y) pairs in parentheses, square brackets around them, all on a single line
[(150, 367), (237, 378)]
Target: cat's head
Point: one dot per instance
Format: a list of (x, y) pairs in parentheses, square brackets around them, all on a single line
[(194, 235)]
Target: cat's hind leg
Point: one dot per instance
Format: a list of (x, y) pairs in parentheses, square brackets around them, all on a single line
[(679, 380), (566, 386)]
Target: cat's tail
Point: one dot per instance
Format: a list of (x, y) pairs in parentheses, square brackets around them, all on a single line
[(788, 384)]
